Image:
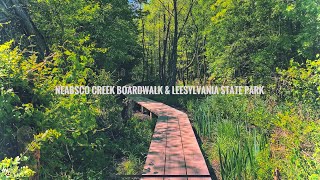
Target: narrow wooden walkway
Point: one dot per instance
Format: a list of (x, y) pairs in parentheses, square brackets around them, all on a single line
[(174, 152)]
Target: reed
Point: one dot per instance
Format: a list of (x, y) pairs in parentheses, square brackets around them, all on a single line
[(216, 109), (239, 162), (223, 121)]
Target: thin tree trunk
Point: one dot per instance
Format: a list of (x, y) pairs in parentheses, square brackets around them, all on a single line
[(166, 30), (159, 54), (143, 49), (174, 55)]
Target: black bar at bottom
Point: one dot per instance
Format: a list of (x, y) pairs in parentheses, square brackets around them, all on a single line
[(146, 176)]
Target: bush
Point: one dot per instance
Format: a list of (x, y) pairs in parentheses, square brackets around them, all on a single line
[(10, 169), (300, 83), (252, 137)]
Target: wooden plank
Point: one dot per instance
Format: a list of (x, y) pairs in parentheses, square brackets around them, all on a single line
[(153, 178), (155, 161), (145, 177), (175, 163), (195, 162), (175, 160)]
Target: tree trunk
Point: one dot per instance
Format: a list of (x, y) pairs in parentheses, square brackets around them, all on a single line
[(166, 30), (28, 26), (174, 53), (143, 50), (159, 54)]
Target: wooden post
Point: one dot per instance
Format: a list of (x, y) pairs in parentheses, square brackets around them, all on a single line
[(150, 115), (276, 174), (142, 109)]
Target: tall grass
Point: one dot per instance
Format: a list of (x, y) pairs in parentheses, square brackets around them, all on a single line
[(223, 121), (216, 109), (239, 162)]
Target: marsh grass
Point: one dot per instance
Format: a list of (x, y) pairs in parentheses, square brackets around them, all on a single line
[(223, 121), (239, 161)]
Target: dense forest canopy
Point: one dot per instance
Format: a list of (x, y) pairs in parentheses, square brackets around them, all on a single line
[(46, 43), (228, 40)]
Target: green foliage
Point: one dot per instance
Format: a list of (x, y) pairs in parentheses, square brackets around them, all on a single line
[(87, 125), (98, 43), (301, 83), (142, 130), (241, 161), (237, 144), (216, 109), (10, 169), (130, 166), (106, 27), (84, 37), (13, 86), (135, 149), (294, 143), (157, 27), (249, 39), (48, 135), (29, 100), (252, 137), (8, 113)]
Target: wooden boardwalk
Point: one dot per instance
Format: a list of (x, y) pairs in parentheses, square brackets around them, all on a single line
[(174, 152)]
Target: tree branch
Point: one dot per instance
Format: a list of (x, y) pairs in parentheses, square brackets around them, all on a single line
[(186, 19), (166, 7)]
